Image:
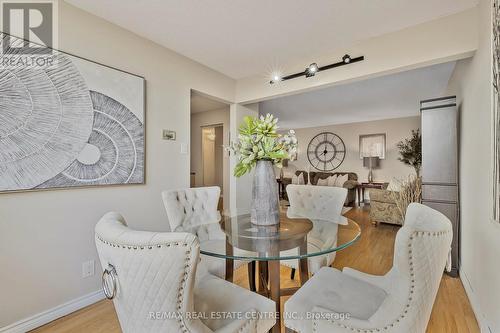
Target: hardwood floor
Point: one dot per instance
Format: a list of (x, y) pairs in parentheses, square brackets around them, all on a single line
[(372, 254)]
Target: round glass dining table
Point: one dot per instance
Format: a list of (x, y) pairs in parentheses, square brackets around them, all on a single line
[(292, 239)]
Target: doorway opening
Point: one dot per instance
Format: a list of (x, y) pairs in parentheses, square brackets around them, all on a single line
[(212, 155), (209, 135)]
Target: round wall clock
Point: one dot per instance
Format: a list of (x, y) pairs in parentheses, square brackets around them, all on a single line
[(326, 151)]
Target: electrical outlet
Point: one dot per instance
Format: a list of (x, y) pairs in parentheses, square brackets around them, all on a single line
[(88, 269)]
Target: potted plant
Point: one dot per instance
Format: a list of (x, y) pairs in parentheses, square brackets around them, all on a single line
[(259, 146), (410, 151)]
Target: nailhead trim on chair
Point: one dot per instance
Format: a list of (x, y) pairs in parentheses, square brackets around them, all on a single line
[(180, 300), (140, 247), (412, 287)]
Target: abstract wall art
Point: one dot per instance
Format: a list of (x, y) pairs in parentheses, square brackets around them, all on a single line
[(77, 123)]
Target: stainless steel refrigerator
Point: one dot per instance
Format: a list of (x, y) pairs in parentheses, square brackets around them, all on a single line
[(440, 140)]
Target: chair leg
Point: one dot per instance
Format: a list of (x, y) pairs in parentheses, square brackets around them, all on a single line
[(251, 276), (292, 274)]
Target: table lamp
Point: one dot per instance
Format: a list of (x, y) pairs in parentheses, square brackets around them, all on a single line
[(371, 162)]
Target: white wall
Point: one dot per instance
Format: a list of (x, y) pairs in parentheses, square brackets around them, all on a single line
[(480, 236), (395, 129), (45, 236), (198, 120)]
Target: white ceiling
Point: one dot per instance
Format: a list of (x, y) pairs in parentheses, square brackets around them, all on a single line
[(202, 103), (242, 38), (391, 96)]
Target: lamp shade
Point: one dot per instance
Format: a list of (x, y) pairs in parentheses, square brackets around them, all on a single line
[(371, 162)]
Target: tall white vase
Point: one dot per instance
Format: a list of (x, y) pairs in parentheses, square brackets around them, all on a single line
[(265, 200)]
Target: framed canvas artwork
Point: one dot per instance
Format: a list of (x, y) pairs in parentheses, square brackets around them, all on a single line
[(78, 123), (371, 145)]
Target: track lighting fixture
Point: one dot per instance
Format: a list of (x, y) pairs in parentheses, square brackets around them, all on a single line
[(313, 68)]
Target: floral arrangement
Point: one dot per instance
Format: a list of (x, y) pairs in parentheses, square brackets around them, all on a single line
[(258, 140)]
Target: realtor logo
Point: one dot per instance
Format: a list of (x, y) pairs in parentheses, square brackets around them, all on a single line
[(29, 27)]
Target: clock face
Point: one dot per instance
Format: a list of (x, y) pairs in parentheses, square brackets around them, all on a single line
[(326, 151)]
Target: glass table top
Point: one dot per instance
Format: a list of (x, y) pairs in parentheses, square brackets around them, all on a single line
[(237, 238)]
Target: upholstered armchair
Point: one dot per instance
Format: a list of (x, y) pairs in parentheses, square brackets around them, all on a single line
[(383, 206), (400, 301), (194, 210), (153, 280), (317, 203)]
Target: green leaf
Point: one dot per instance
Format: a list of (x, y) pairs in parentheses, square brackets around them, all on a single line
[(278, 155), (258, 140)]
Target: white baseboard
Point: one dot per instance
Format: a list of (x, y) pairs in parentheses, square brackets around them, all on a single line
[(47, 316), (481, 319)]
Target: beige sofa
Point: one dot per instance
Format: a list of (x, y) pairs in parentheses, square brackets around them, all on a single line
[(350, 184), (383, 207)]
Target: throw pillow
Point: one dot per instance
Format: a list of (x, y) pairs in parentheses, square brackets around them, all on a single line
[(301, 179), (394, 185), (341, 180), (332, 180), (323, 182)]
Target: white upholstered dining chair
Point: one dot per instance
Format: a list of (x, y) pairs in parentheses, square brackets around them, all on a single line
[(319, 204), (154, 282), (400, 301), (194, 210)]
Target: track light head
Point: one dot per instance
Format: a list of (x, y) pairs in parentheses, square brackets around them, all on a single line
[(346, 59), (275, 78), (312, 69)]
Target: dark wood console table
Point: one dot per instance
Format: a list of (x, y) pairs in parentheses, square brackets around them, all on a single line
[(360, 188)]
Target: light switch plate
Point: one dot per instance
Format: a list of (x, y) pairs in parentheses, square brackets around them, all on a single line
[(168, 135), (184, 148)]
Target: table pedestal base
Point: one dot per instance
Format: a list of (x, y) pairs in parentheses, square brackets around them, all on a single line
[(270, 284), (268, 246)]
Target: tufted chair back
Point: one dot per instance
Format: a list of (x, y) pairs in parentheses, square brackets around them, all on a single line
[(155, 275), (316, 202), (190, 208), (420, 254)]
